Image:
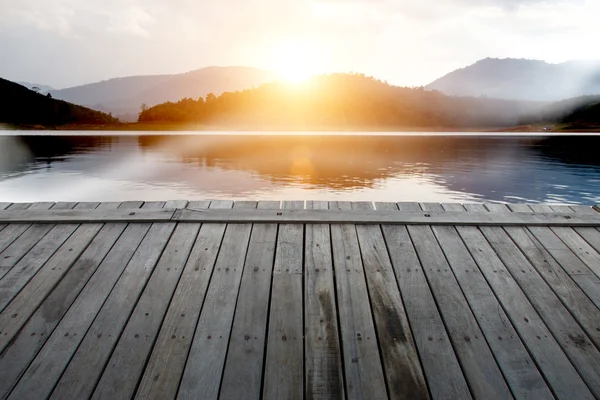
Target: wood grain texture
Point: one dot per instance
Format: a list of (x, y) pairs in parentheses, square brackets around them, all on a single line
[(363, 370), (43, 372), (520, 371), (284, 362), (202, 374), (322, 354), (166, 364), (442, 369), (404, 376), (479, 366), (242, 377)]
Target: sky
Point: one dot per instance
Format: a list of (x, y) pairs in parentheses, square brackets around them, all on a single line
[(64, 43)]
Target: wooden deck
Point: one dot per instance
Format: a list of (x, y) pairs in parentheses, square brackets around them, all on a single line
[(316, 300)]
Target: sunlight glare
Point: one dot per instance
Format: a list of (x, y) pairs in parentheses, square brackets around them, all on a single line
[(295, 61)]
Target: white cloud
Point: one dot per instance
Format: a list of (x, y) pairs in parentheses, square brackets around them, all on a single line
[(407, 42)]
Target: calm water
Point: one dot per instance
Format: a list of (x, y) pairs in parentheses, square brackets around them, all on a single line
[(436, 168)]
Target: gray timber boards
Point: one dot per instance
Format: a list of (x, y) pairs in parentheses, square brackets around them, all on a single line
[(119, 377), (204, 367), (60, 343), (242, 377), (518, 368), (505, 268), (300, 216), (284, 362), (442, 370), (363, 370), (402, 368), (167, 361), (322, 350), (478, 364)]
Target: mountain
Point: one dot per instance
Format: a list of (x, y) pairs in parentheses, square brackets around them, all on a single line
[(585, 117), (340, 102), (42, 88), (20, 105), (123, 97), (520, 79)]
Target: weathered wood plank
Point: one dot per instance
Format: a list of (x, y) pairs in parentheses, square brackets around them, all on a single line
[(167, 361), (242, 377), (377, 217), (404, 376), (202, 374), (322, 353), (27, 301), (362, 362), (58, 242), (26, 240), (45, 370), (518, 368), (4, 205), (16, 357), (478, 364), (571, 295), (555, 250), (300, 216), (534, 310), (583, 210), (284, 362), (441, 367), (124, 367), (88, 216), (13, 231)]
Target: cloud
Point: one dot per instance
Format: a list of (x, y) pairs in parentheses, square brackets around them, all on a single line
[(403, 41)]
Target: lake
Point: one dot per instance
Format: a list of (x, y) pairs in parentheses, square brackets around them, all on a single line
[(82, 166)]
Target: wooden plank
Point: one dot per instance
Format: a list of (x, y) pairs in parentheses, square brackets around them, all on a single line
[(322, 349), (571, 241), (583, 210), (98, 280), (284, 361), (25, 241), (362, 362), (45, 370), (167, 361), (4, 205), (87, 216), (545, 326), (242, 377), (27, 301), (204, 367), (300, 216), (13, 231), (404, 376), (571, 295), (442, 370), (117, 375), (372, 217), (50, 245), (518, 368), (477, 361)]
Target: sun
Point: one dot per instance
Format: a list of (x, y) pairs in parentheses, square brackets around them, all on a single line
[(295, 61)]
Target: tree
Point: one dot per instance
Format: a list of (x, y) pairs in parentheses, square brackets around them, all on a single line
[(49, 95)]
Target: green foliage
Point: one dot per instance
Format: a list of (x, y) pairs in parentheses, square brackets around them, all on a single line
[(19, 105)]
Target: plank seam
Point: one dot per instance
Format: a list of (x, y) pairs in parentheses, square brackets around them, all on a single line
[(569, 357), (149, 355), (200, 311)]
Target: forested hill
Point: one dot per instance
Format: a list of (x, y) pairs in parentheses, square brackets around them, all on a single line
[(338, 101), (20, 105)]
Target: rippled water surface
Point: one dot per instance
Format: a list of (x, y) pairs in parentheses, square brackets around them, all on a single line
[(67, 166)]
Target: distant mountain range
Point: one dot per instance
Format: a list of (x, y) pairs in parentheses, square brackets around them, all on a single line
[(519, 79), (123, 97), (22, 106)]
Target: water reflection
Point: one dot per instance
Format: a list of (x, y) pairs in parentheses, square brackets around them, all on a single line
[(380, 168)]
